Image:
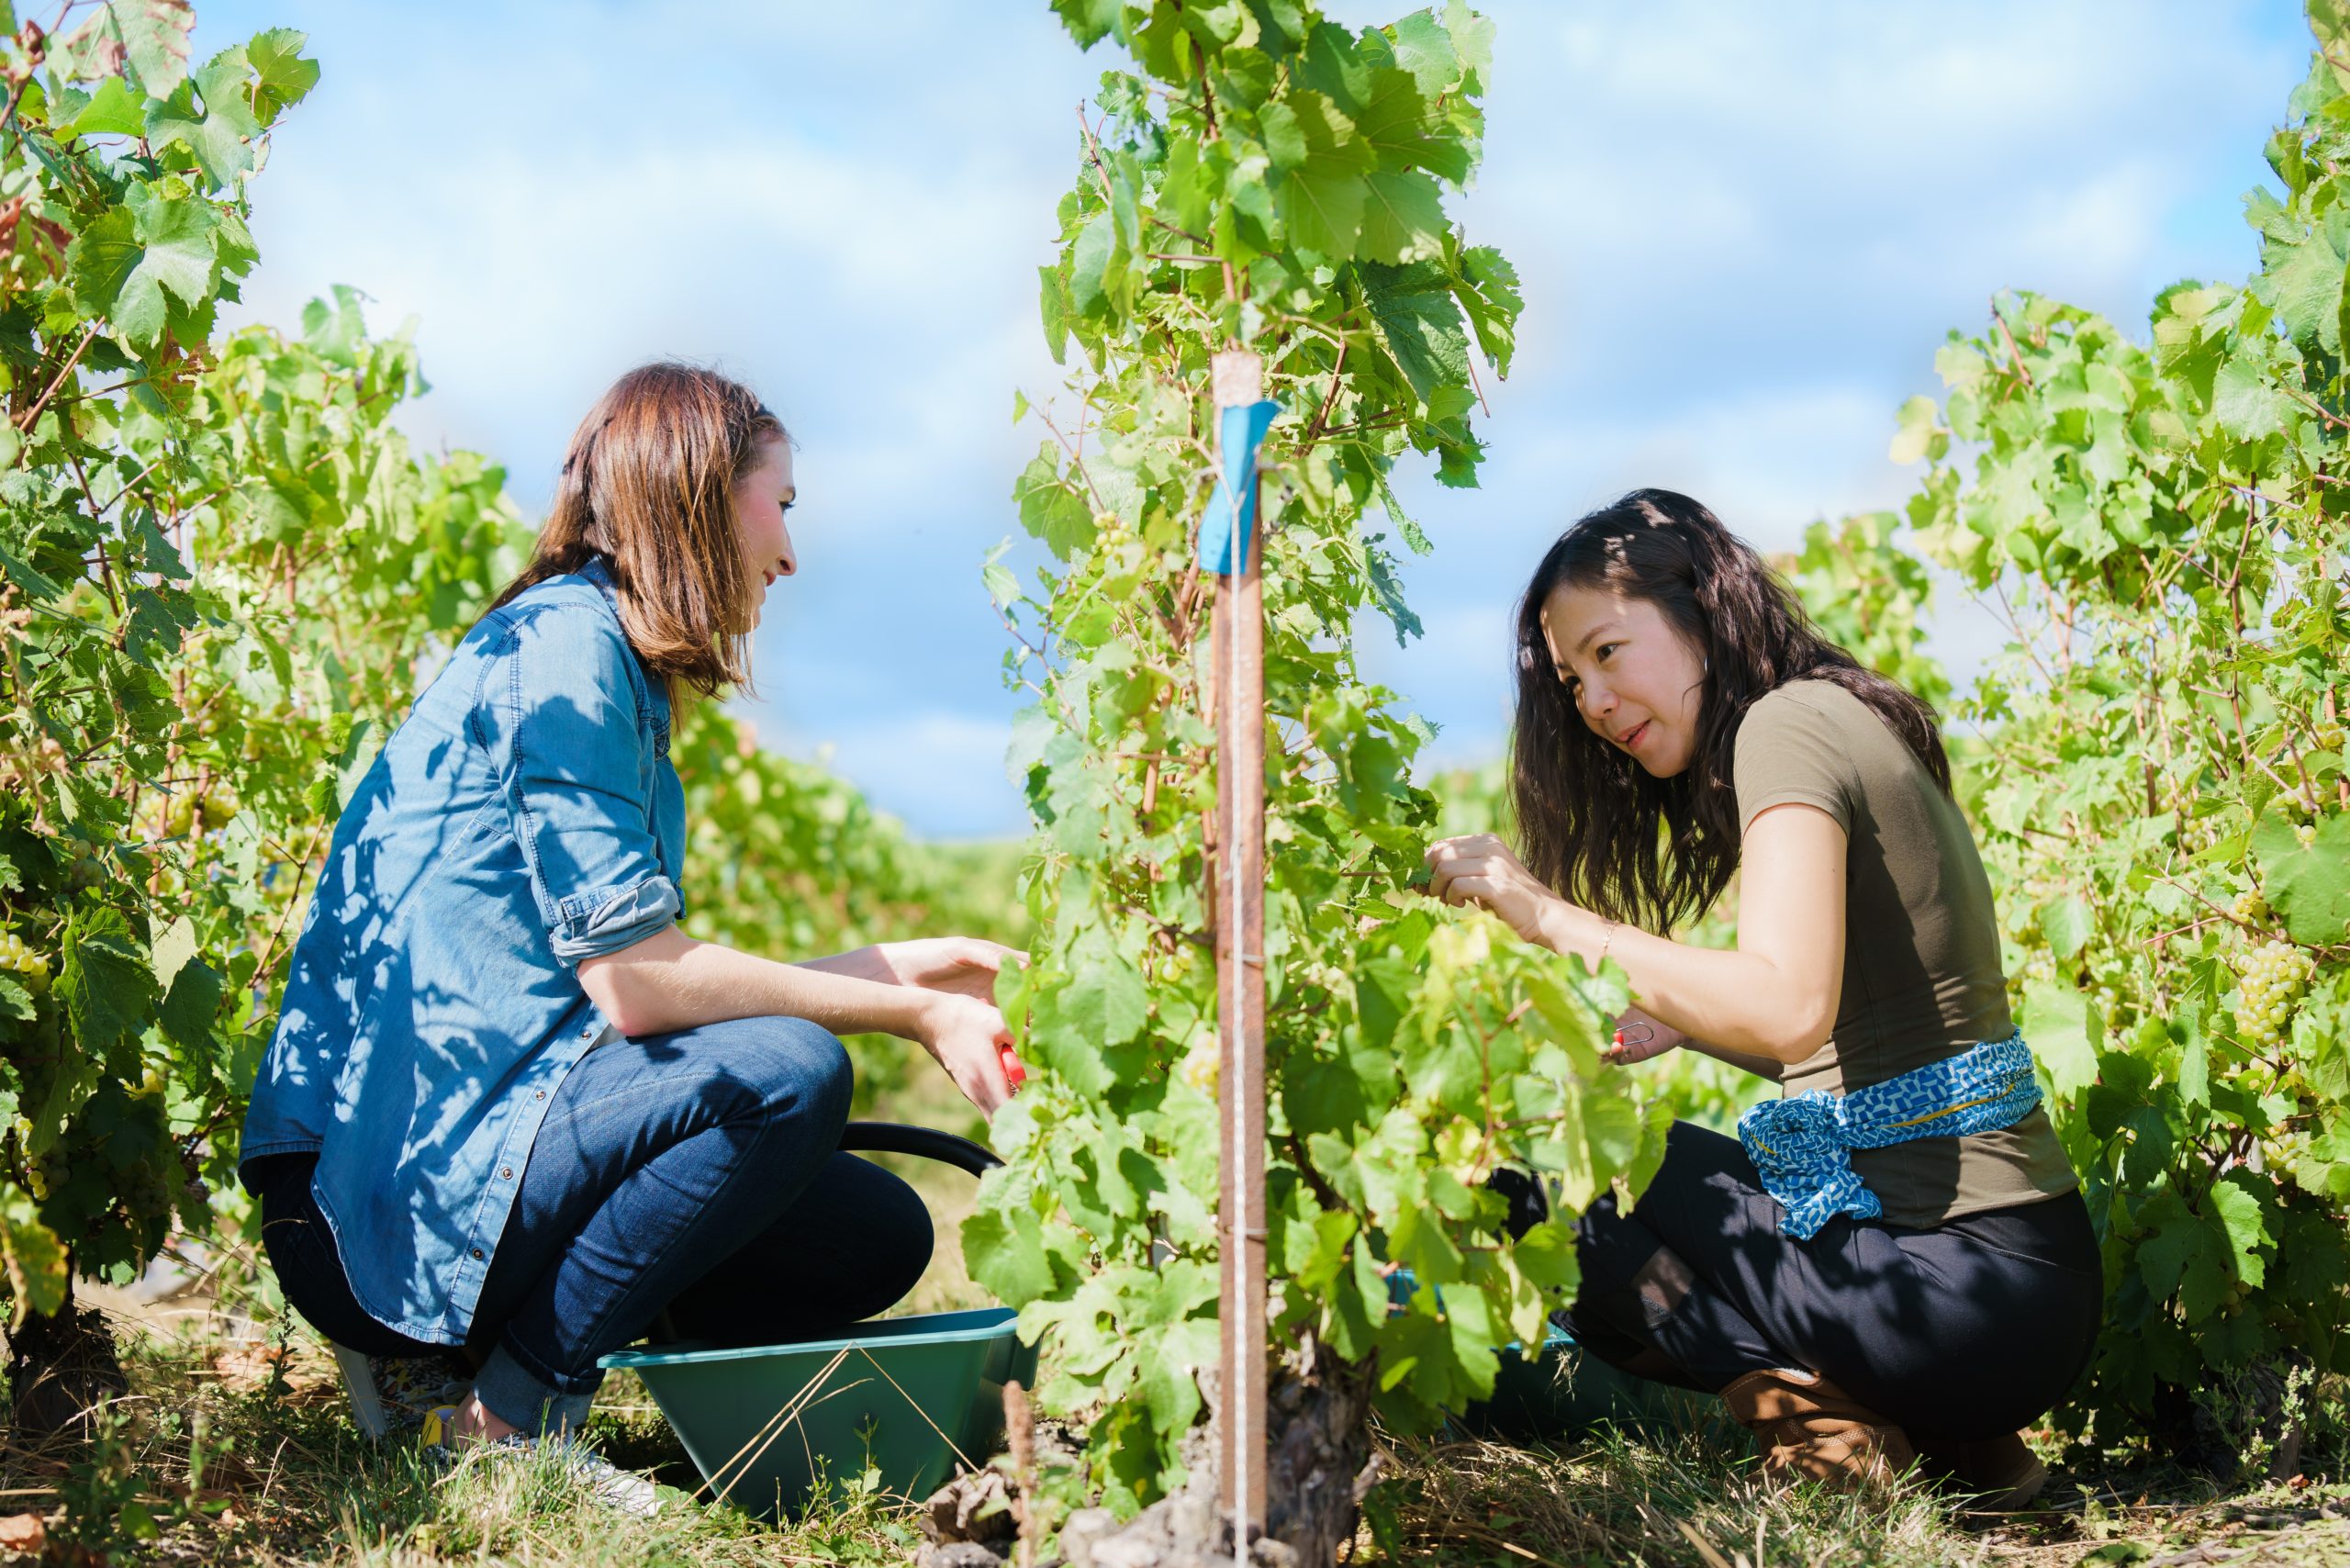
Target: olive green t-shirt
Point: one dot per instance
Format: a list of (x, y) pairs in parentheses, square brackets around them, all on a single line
[(1922, 979)]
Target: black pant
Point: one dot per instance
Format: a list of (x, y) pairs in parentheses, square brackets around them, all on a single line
[(1968, 1330)]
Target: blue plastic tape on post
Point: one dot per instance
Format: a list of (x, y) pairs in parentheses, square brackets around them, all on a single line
[(1242, 431)]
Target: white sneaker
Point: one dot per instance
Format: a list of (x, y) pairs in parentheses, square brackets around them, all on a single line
[(622, 1491)]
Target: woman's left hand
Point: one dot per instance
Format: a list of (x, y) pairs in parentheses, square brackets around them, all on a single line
[(1479, 868), (965, 965)]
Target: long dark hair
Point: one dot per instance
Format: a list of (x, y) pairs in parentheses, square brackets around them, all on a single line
[(1594, 826)]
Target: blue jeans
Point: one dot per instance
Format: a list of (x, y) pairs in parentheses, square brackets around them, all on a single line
[(694, 1173)]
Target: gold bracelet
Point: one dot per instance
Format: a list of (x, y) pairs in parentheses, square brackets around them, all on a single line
[(1605, 937)]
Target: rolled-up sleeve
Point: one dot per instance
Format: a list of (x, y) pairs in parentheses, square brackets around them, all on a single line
[(569, 748)]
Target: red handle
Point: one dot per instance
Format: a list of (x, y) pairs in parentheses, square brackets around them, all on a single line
[(1015, 1075)]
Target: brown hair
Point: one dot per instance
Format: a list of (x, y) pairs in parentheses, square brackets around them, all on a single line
[(648, 485), (1593, 824)]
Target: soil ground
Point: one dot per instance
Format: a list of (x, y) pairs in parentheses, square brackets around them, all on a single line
[(236, 1440), (236, 1443)]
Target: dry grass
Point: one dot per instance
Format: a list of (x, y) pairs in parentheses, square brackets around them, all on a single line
[(1692, 1496), (239, 1442), (237, 1439)]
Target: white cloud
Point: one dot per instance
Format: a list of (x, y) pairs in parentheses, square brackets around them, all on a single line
[(1742, 230)]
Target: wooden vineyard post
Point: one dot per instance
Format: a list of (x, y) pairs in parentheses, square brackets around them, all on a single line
[(1237, 659)]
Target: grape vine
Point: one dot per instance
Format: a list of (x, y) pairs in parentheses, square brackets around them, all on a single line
[(2159, 780), (224, 575), (1261, 177)]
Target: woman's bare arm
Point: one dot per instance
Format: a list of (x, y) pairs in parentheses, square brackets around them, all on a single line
[(1640, 1038), (669, 982), (1773, 996)]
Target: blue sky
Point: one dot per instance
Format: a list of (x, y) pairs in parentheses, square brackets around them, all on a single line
[(1743, 233)]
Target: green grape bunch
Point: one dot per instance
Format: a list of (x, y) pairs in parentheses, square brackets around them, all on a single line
[(19, 958), (2270, 979)]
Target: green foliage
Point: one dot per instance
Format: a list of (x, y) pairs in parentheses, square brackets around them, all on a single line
[(1268, 179), (224, 576), (2162, 800), (122, 226), (1865, 592)]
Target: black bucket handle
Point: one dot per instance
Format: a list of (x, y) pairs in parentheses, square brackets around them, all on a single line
[(923, 1143)]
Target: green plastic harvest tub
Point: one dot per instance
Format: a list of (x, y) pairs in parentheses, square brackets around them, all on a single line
[(767, 1425)]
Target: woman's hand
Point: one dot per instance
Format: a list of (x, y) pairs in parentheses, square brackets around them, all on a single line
[(1479, 868), (968, 1036), (1640, 1038), (965, 966)]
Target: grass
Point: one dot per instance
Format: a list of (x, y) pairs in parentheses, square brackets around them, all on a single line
[(236, 1440), (1693, 1497)]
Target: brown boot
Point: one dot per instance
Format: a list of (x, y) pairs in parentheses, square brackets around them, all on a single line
[(1810, 1429), (2004, 1473)]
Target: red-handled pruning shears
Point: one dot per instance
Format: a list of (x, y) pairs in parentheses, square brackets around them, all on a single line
[(1015, 1075)]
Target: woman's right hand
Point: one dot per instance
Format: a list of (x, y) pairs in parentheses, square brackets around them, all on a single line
[(967, 1036), (1640, 1038)]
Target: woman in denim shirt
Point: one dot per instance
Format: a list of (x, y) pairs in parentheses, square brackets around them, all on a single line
[(510, 1106)]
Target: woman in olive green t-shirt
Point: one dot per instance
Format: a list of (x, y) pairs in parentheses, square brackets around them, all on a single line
[(1680, 720)]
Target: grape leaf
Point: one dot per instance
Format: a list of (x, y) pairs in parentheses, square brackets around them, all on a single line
[(1051, 510), (1425, 49), (173, 949), (34, 585), (2304, 280), (1089, 262), (336, 332), (114, 110), (220, 135), (2308, 884), (1397, 123), (2243, 401), (2239, 1224), (105, 979), (1322, 193), (1420, 322), (1471, 34), (1402, 216), (1107, 1004), (1089, 21), (151, 35), (282, 77), (2069, 922), (2175, 1239), (1007, 1255), (2063, 1030), (123, 263), (191, 1002), (35, 1256), (1486, 285)]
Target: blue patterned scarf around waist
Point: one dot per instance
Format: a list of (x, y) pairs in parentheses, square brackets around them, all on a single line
[(1802, 1145)]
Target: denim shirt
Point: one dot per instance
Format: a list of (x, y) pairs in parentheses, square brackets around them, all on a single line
[(525, 817)]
